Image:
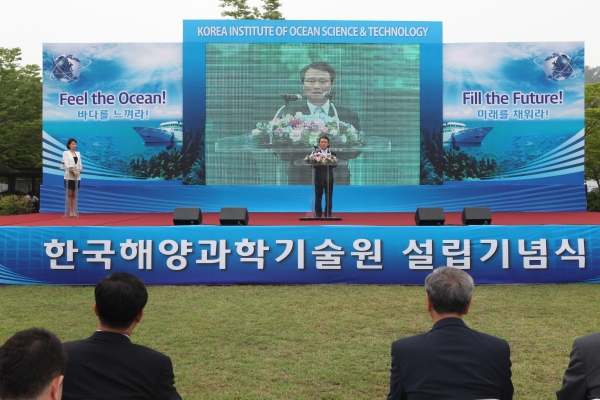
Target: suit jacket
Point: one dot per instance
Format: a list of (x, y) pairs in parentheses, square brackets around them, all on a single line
[(320, 176), (108, 366), (450, 362), (68, 164), (582, 377)]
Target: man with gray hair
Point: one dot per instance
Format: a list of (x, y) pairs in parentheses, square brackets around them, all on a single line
[(451, 361)]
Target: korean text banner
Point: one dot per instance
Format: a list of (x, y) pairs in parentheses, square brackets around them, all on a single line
[(298, 255)]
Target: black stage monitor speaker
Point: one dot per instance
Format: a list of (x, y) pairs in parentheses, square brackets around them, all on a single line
[(187, 216), (430, 216), (233, 216), (476, 216)]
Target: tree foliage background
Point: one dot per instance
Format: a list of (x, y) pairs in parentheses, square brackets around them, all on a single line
[(20, 112), (592, 132), (239, 9), (592, 74)]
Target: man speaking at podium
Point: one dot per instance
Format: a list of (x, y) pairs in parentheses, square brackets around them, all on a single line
[(317, 83), (324, 181)]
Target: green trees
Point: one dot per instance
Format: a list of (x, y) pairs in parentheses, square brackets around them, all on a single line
[(592, 132), (241, 10), (592, 74), (20, 112)]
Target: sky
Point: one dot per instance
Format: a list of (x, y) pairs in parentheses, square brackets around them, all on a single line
[(30, 23)]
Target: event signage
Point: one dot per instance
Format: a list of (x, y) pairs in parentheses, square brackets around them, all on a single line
[(515, 112), (122, 102), (229, 107), (255, 31), (298, 255)]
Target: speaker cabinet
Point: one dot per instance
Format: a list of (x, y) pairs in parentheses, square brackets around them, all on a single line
[(233, 216), (430, 216), (476, 216), (187, 216)]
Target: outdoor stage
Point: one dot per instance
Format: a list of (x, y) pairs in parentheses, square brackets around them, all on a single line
[(282, 219)]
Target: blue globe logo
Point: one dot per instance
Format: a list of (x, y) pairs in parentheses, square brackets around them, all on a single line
[(557, 66), (67, 68)]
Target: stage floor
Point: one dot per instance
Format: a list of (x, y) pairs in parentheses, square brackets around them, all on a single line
[(293, 219)]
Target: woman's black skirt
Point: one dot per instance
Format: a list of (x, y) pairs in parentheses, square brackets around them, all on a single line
[(71, 184)]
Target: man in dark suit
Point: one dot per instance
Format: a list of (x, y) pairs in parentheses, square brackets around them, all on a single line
[(107, 365), (32, 366), (450, 362), (323, 181), (582, 378), (317, 83)]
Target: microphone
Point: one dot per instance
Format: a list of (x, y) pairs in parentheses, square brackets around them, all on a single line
[(290, 97), (329, 95)]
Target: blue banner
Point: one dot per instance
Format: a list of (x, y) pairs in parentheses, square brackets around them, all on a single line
[(499, 197), (228, 31), (298, 255), (513, 112), (122, 102)]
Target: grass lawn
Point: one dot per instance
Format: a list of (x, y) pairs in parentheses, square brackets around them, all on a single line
[(315, 342)]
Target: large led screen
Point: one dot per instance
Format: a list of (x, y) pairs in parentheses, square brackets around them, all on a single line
[(375, 92)]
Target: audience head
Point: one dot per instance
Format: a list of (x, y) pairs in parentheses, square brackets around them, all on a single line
[(449, 290), (32, 365), (120, 298)]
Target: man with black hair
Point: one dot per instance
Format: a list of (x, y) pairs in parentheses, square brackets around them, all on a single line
[(107, 365), (317, 80), (450, 362), (32, 366)]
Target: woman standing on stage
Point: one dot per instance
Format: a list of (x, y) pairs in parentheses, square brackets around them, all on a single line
[(71, 163)]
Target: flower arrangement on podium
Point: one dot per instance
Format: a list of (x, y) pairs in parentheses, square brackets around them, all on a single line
[(320, 158), (304, 130)]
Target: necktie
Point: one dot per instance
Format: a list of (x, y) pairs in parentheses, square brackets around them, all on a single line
[(319, 111)]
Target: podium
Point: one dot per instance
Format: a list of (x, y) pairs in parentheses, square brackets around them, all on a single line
[(318, 171), (72, 193)]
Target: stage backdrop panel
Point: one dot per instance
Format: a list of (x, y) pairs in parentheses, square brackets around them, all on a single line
[(514, 113), (203, 123), (298, 255), (122, 102)]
